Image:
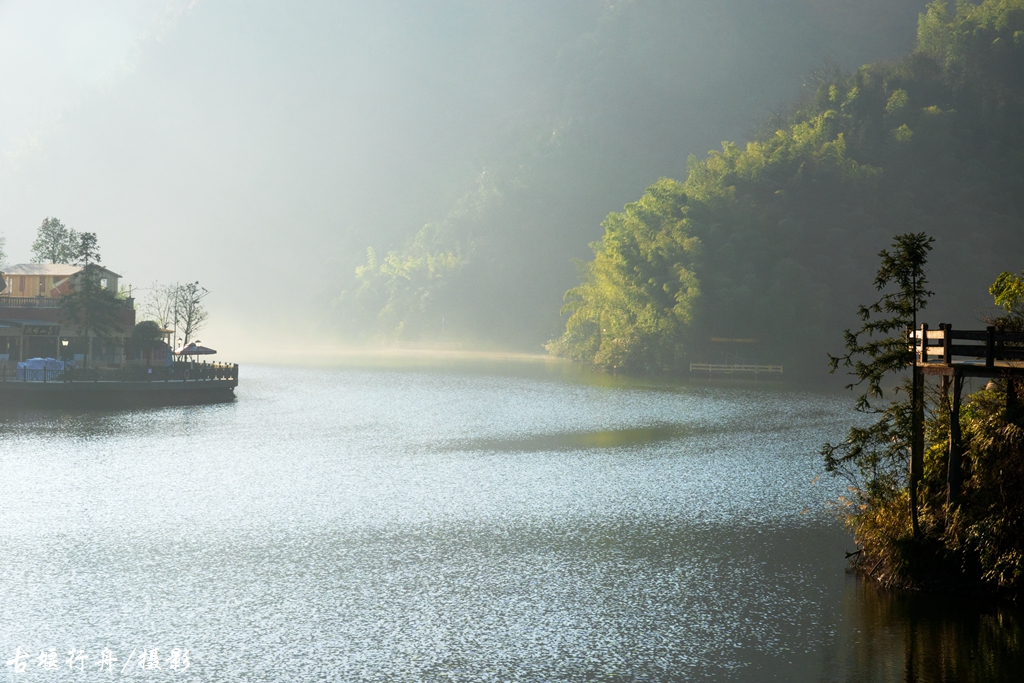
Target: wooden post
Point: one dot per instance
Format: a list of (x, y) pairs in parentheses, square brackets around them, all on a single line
[(947, 343), (917, 458), (916, 445), (924, 342), (955, 444), (946, 359), (990, 347)]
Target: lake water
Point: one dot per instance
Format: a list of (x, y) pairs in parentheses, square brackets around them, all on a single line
[(464, 522)]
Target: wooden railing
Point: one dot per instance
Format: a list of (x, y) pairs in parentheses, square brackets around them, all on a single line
[(945, 344), (725, 368), (46, 302), (182, 372)]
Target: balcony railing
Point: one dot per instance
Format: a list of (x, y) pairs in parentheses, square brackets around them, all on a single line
[(182, 371), (47, 302)]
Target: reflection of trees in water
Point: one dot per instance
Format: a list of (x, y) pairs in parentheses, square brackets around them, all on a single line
[(933, 638)]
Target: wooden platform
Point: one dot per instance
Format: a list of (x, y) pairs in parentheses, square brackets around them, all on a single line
[(740, 369), (955, 355), (183, 384), (970, 353)]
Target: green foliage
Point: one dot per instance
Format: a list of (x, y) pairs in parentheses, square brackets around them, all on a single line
[(987, 531), (874, 359), (980, 541), (147, 336), (88, 250), (408, 293), (615, 319), (786, 221), (55, 243), (1008, 292), (93, 309), (898, 101), (403, 286), (638, 295), (988, 29), (874, 458)]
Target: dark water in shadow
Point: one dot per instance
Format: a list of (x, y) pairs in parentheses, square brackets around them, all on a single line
[(458, 524), (928, 638)]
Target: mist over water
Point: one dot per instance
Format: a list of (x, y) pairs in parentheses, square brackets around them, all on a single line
[(261, 147), (452, 508), (482, 522)]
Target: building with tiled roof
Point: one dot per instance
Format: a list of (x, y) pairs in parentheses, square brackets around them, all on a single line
[(31, 324)]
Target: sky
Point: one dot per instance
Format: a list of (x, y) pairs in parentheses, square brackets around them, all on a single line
[(259, 147)]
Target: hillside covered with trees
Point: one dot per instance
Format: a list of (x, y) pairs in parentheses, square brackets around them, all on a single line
[(620, 95), (777, 239)]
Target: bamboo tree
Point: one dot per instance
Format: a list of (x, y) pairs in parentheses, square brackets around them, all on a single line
[(874, 458)]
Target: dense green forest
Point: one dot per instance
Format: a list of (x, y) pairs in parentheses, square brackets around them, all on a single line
[(776, 239), (627, 91)]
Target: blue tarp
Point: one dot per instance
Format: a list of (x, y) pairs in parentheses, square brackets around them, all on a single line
[(39, 369)]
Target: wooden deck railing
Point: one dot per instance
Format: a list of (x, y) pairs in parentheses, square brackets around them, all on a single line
[(186, 372), (739, 369), (47, 302), (945, 345)]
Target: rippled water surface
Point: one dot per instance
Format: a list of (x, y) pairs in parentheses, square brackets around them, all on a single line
[(457, 524)]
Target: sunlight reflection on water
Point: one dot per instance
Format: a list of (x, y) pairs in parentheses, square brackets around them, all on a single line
[(438, 525)]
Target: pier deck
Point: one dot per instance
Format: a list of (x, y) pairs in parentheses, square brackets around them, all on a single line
[(180, 384), (955, 355)]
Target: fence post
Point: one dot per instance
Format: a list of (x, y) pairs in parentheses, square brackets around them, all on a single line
[(924, 342), (947, 343), (916, 445), (990, 347), (955, 444)]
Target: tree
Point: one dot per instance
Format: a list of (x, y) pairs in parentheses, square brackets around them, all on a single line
[(55, 243), (160, 303), (874, 458), (1008, 292), (3, 253), (177, 306), (88, 251), (190, 313), (637, 298), (147, 337), (93, 308)]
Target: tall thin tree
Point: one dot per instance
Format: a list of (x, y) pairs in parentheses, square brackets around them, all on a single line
[(879, 349)]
